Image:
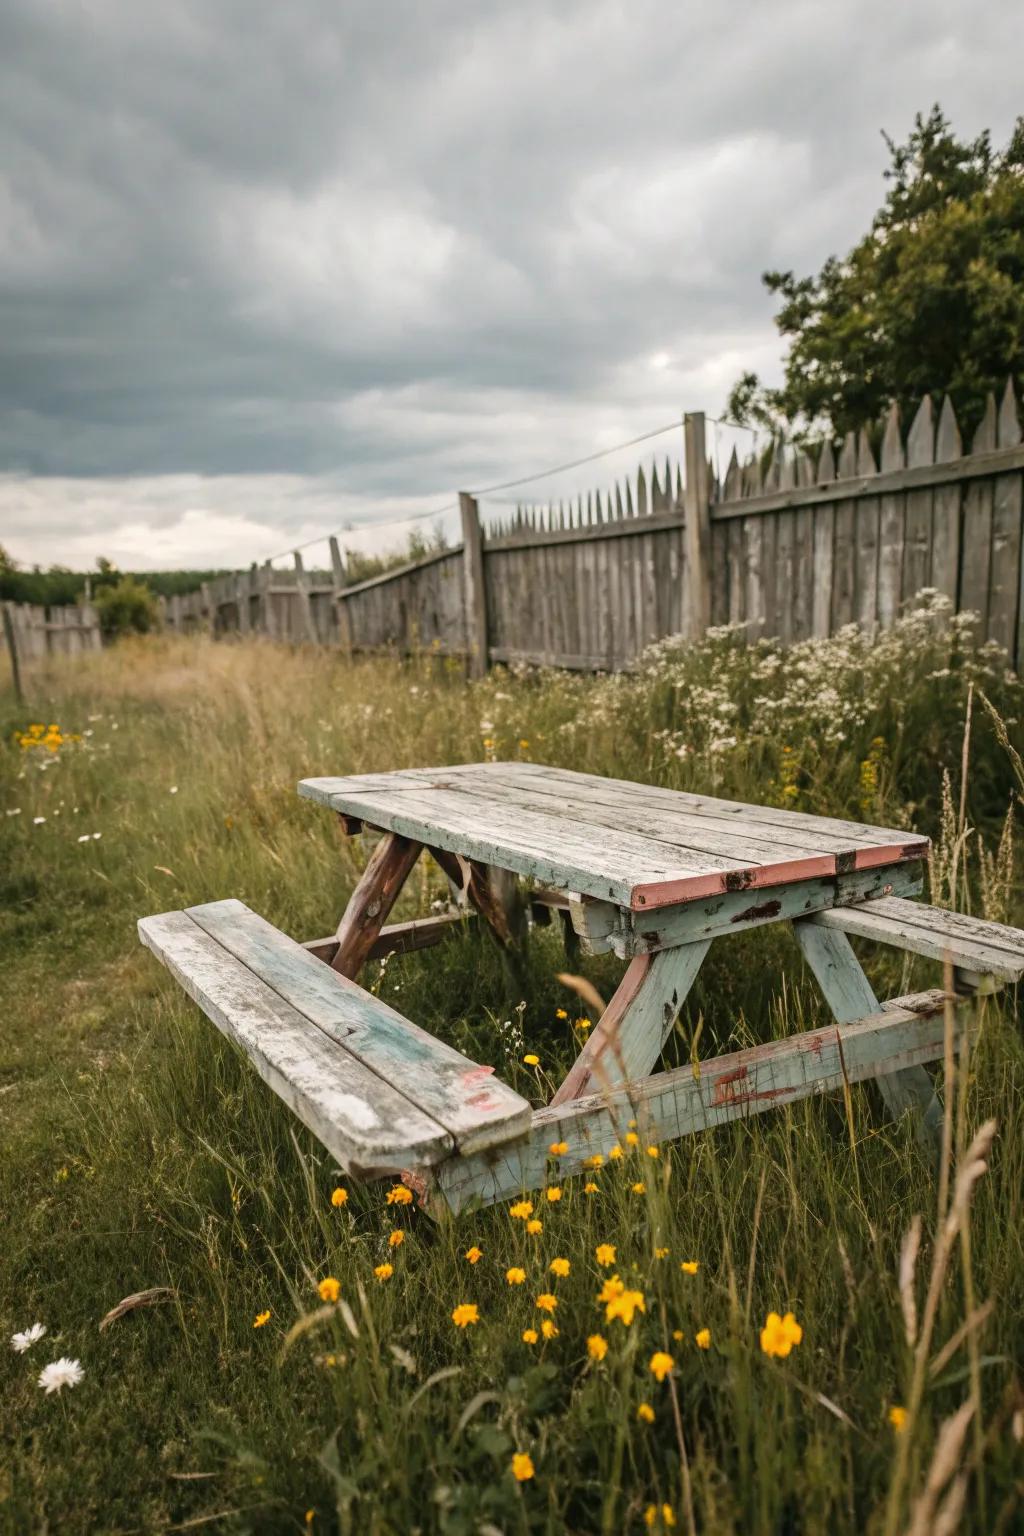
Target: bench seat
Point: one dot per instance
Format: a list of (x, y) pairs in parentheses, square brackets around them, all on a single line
[(382, 1095), (974, 946)]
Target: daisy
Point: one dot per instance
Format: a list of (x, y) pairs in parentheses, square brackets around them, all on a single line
[(60, 1373), (22, 1341)]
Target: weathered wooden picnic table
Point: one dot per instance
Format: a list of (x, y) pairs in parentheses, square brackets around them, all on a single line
[(652, 875)]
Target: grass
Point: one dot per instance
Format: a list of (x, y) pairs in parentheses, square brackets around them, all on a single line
[(139, 1151)]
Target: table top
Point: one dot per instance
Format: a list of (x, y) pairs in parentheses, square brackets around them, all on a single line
[(635, 845)]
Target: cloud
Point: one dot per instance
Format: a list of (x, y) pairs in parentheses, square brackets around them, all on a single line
[(260, 267)]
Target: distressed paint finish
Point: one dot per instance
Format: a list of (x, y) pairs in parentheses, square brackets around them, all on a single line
[(630, 1034), (376, 893), (850, 996), (473, 1105), (691, 1099), (989, 949)]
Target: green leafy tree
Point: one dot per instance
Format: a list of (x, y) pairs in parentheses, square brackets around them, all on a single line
[(126, 607), (932, 298)]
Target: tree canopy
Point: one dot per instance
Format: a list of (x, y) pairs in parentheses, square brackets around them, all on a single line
[(930, 300)]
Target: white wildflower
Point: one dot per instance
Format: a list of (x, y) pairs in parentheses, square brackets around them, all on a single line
[(173, 789), (96, 836), (15, 812), (37, 821), (22, 1341), (85, 837), (59, 1374)]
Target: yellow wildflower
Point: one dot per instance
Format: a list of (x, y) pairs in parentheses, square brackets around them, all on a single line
[(604, 1253), (597, 1346), (399, 1194), (384, 1271), (261, 1318), (534, 1227), (632, 1138), (779, 1334), (639, 1188), (615, 1154), (677, 1334), (611, 1288), (661, 1364), (530, 1060), (466, 1313), (624, 1306), (521, 1210), (703, 1338), (522, 1467), (474, 1254), (560, 1013), (661, 1253), (548, 1329), (590, 1189), (329, 1288), (339, 1196), (653, 1151), (898, 1418), (594, 1161), (645, 1413), (530, 1335), (515, 1275), (689, 1266), (558, 1148), (396, 1238), (666, 1513), (559, 1267), (310, 1516), (546, 1302), (553, 1193)]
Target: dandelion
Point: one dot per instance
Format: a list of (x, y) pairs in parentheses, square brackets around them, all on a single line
[(611, 1288), (689, 1266), (604, 1253), (632, 1139), (590, 1189), (530, 1060), (898, 1418), (645, 1413), (583, 1025), (661, 1253), (60, 1374), (339, 1196), (521, 1210), (639, 1188), (558, 1148), (780, 1334), (474, 1254), (515, 1275), (559, 1267), (534, 1227), (661, 1364), (261, 1319), (554, 1194), (399, 1194), (615, 1154), (522, 1467), (329, 1288), (384, 1271), (653, 1151), (546, 1302), (678, 1335), (597, 1346), (560, 1013), (396, 1238), (624, 1307), (703, 1339), (594, 1161), (465, 1314), (22, 1341), (530, 1335), (548, 1329)]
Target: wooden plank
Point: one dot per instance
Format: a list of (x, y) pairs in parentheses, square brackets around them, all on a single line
[(867, 540), (992, 949), (844, 543), (371, 901), (630, 1035), (542, 538), (363, 1121), (698, 525), (474, 1106), (398, 938), (891, 527), (945, 568), (976, 541), (917, 550), (696, 1098), (754, 604), (1005, 579), (823, 535)]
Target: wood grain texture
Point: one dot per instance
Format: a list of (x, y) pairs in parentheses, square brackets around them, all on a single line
[(375, 894), (991, 949)]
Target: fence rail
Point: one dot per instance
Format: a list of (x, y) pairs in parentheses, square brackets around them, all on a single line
[(794, 549)]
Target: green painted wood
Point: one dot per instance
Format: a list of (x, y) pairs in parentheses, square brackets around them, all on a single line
[(991, 949), (363, 1121), (903, 1034), (474, 1106)]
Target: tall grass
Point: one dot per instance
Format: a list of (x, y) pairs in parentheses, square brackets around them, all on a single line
[(139, 1151)]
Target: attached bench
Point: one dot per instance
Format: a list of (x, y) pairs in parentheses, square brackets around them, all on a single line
[(381, 1094), (979, 951)]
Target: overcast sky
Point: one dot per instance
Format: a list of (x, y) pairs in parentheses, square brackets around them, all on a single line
[(268, 270)]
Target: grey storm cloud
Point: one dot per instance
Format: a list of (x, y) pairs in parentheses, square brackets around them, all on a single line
[(281, 264)]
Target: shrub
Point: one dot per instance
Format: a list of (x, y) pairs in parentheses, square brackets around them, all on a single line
[(127, 608)]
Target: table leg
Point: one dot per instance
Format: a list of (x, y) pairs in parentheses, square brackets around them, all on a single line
[(493, 892), (631, 1033), (371, 901), (850, 996)]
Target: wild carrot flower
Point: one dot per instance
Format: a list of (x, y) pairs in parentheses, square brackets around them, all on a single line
[(898, 1418), (465, 1313), (329, 1288), (534, 1227), (780, 1334), (703, 1339), (396, 1238), (546, 1302), (604, 1253), (597, 1346), (689, 1266), (521, 1210), (558, 1148), (661, 1364), (474, 1254), (384, 1271), (553, 1193), (261, 1318), (515, 1275), (530, 1335), (60, 1374), (624, 1306), (645, 1413), (339, 1196), (548, 1329), (399, 1194), (22, 1341), (559, 1267), (522, 1467)]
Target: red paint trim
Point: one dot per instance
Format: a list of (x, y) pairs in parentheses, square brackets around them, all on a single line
[(674, 893)]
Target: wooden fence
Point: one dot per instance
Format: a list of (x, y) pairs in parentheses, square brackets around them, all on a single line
[(795, 549), (67, 630)]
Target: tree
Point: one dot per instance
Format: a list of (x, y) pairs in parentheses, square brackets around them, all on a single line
[(125, 608), (931, 299)]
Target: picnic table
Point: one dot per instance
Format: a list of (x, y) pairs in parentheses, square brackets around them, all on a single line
[(652, 875)]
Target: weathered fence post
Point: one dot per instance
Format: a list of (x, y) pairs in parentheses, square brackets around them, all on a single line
[(12, 649), (697, 501), (305, 606), (242, 584), (473, 582), (268, 618), (340, 583), (207, 609)]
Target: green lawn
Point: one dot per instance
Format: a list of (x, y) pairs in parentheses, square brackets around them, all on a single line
[(137, 1150)]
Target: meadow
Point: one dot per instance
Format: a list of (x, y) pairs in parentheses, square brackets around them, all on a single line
[(138, 1151)]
